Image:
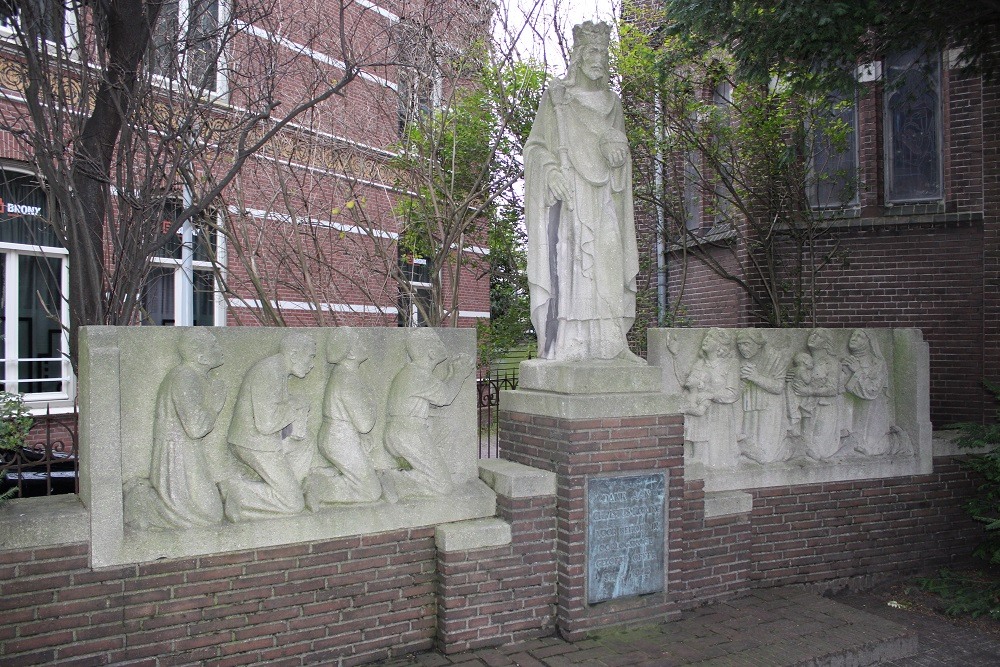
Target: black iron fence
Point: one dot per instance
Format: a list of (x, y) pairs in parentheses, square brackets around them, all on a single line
[(489, 385), (47, 464)]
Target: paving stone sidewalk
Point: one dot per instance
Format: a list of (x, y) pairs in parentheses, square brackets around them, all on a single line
[(774, 627)]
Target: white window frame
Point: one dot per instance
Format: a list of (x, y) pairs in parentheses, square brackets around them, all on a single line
[(71, 35), (410, 297), (221, 89), (10, 359), (184, 278)]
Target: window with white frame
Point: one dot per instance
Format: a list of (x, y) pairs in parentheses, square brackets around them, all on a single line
[(913, 128), (34, 277), (186, 44), (180, 288), (834, 154), (415, 295)]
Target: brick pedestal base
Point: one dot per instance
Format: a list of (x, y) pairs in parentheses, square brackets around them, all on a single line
[(577, 449)]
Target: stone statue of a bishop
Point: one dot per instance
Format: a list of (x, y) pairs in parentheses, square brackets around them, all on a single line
[(582, 256)]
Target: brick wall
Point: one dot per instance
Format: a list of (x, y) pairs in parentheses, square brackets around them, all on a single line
[(346, 601), (577, 449), (871, 528), (355, 599), (935, 266), (489, 597), (822, 534)]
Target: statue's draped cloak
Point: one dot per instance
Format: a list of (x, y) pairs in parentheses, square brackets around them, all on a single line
[(582, 279)]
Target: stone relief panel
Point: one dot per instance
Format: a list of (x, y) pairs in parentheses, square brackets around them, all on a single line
[(217, 434), (778, 406)]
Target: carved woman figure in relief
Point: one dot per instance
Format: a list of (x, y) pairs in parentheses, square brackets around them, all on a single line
[(348, 417), (872, 432), (763, 381), (821, 430), (582, 254), (187, 405), (711, 388)]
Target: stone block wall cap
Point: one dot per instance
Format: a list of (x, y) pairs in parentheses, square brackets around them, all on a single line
[(40, 522), (516, 480), (591, 377), (726, 503), (472, 535)]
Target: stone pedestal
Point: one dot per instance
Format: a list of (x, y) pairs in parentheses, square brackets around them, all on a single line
[(610, 436)]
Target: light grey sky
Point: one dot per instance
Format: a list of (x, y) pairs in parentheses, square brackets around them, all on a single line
[(545, 17)]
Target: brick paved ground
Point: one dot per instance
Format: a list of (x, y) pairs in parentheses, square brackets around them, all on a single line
[(771, 627)]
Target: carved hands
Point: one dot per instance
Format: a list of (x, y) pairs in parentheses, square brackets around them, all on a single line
[(559, 187)]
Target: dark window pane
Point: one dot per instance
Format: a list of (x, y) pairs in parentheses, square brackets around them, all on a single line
[(913, 119), (835, 156), (163, 54), (203, 42), (158, 298), (692, 197), (204, 299), (39, 333), (24, 211)]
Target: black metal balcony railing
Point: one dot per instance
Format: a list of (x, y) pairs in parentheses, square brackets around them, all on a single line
[(46, 465)]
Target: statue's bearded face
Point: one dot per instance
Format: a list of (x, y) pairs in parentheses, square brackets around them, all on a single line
[(594, 63)]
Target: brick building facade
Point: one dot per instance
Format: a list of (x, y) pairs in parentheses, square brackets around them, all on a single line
[(915, 248), (306, 234)]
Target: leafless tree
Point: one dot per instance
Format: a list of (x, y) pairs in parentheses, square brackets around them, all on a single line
[(140, 113)]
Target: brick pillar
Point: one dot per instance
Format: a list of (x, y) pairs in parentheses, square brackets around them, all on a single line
[(497, 577), (587, 423)]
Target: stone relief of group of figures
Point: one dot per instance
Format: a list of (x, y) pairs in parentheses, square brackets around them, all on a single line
[(749, 404), (283, 472)]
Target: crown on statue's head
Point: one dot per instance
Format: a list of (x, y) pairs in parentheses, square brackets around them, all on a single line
[(597, 34)]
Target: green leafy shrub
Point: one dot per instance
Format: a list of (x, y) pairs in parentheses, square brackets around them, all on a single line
[(965, 594), (15, 423), (985, 506)]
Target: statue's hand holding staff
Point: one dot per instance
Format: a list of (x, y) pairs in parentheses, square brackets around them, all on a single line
[(560, 188)]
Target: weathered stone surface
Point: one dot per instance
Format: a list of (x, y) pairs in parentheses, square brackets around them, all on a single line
[(470, 535), (515, 480), (286, 432), (770, 407), (26, 523), (582, 253)]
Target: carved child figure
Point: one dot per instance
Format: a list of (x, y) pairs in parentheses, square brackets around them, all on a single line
[(800, 408)]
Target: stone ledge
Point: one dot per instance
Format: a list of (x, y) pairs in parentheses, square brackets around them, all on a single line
[(592, 377), (515, 480), (727, 503), (28, 523), (470, 535), (588, 406), (470, 501)]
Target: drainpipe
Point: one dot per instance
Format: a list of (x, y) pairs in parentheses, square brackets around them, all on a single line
[(661, 260)]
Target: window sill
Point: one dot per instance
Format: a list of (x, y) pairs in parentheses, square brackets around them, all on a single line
[(897, 218)]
